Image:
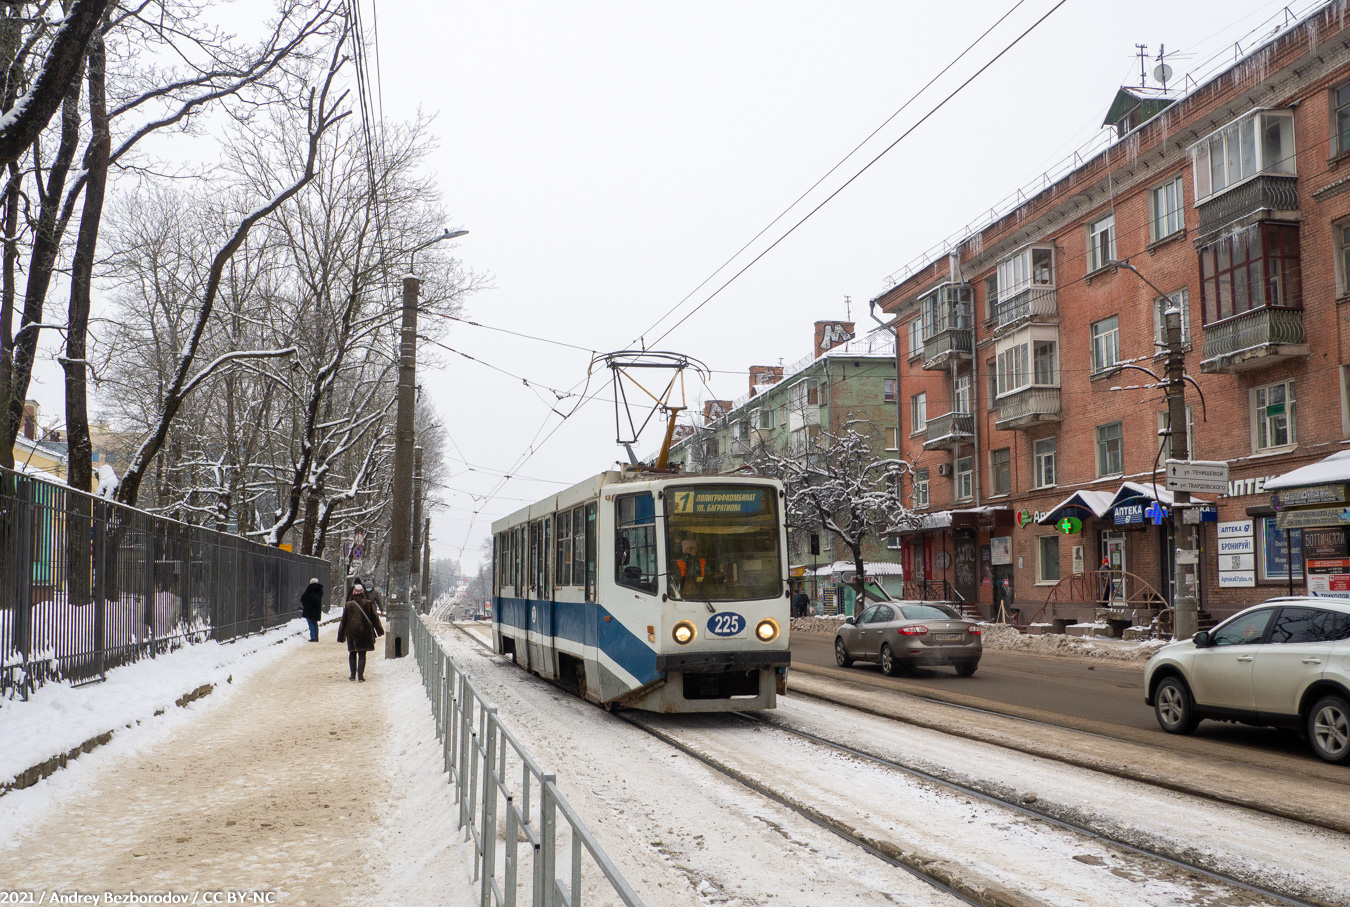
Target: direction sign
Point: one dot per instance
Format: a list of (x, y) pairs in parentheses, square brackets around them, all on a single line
[(1205, 476)]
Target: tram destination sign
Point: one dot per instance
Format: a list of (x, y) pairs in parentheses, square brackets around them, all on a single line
[(719, 500), (1205, 476)]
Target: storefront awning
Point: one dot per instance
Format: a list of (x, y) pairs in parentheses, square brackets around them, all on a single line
[(1132, 500), (1080, 504), (945, 519)]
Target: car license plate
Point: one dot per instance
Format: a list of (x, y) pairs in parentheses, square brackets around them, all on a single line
[(948, 637)]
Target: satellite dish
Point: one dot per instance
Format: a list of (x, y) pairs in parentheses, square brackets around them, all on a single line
[(1162, 72)]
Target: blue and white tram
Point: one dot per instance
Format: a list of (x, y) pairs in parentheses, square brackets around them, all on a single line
[(649, 591)]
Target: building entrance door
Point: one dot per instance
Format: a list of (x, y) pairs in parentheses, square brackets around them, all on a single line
[(1113, 560)]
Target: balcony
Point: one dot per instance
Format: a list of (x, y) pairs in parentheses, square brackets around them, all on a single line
[(1253, 340), (1027, 407), (947, 345), (1034, 305), (1262, 193), (949, 432)]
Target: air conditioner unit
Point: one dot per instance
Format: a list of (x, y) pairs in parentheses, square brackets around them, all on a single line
[(944, 469)]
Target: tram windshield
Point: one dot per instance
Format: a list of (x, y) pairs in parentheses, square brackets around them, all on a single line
[(722, 542)]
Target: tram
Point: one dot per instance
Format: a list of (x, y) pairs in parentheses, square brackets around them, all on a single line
[(649, 590)]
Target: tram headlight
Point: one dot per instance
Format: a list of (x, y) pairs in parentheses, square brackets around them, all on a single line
[(767, 630), (684, 633)]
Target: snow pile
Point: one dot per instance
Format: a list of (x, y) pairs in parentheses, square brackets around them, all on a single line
[(1002, 637)]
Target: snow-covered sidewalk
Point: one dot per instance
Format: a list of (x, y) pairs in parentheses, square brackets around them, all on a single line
[(286, 778)]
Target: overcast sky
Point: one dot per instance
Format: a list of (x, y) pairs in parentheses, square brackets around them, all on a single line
[(608, 157)]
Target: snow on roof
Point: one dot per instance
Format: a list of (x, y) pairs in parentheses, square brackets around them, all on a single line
[(1333, 470), (871, 568), (1099, 502), (1160, 493)]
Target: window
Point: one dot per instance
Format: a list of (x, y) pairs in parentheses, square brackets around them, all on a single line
[(893, 542), (1043, 458), (635, 564), (1000, 471), (1296, 625), (965, 478), (991, 377), (918, 412), (1047, 559), (888, 390), (990, 297), (1165, 210), (1181, 301), (1043, 362), (1341, 237), (1277, 550), (961, 394), (1105, 344), (921, 487), (562, 563), (1245, 629), (762, 419), (1340, 120), (891, 442), (1251, 268), (1110, 458), (947, 308), (579, 531), (1273, 416), (739, 432), (1101, 243), (1030, 267), (916, 338), (803, 394), (1261, 142), (1166, 437)]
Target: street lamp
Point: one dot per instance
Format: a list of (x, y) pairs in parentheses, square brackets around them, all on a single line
[(396, 640), (1185, 607)]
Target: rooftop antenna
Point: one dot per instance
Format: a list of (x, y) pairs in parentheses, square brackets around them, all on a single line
[(1143, 59), (1162, 72), (848, 308)]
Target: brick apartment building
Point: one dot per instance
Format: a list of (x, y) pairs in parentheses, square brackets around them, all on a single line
[(1022, 398)]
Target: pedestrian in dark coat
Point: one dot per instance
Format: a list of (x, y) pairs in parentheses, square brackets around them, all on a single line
[(311, 606), (359, 626)]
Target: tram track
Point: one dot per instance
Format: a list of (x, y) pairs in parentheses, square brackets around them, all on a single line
[(1138, 848)]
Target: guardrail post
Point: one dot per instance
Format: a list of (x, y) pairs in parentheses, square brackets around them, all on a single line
[(548, 839), (489, 806)]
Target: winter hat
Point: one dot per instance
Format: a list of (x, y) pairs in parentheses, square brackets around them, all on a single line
[(358, 589), (313, 580)]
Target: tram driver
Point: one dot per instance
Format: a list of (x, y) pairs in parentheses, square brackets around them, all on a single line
[(691, 565)]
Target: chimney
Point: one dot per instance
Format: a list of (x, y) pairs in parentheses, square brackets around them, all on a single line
[(763, 375), (714, 410), (830, 334), (30, 417)]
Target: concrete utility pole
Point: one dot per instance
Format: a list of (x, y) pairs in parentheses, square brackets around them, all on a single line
[(426, 566), (1185, 607), (396, 640), (1185, 610), (415, 566)]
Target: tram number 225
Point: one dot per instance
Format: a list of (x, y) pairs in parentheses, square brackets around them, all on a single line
[(727, 623)]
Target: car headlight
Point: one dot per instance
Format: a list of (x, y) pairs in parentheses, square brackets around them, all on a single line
[(683, 633), (767, 630)]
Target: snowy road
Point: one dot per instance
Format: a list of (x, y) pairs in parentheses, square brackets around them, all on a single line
[(620, 782)]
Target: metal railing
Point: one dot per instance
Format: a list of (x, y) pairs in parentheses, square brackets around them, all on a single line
[(1226, 340), (87, 585), (1028, 405), (506, 800), (1033, 304)]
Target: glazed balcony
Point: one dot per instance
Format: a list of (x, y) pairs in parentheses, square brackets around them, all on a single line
[(1254, 340), (949, 431), (1027, 407)]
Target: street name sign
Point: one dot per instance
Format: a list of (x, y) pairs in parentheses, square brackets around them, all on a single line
[(1204, 476)]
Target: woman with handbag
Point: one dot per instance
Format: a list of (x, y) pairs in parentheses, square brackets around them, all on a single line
[(359, 626)]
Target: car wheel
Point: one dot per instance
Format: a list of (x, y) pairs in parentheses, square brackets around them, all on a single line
[(890, 665), (966, 668), (1174, 707), (841, 653), (1329, 729)]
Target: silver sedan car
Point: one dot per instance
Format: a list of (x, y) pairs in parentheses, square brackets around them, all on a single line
[(899, 635)]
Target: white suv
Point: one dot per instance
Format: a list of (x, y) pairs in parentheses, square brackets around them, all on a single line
[(1284, 663)]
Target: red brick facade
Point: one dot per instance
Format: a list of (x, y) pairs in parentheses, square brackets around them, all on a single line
[(1230, 355)]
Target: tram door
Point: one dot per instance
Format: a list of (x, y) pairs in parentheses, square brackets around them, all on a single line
[(1113, 560)]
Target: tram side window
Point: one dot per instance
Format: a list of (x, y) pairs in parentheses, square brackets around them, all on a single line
[(579, 545), (534, 560), (545, 549), (590, 551), (564, 559), (635, 542)]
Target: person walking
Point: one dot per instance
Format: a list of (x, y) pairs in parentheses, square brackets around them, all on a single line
[(311, 606), (359, 626)]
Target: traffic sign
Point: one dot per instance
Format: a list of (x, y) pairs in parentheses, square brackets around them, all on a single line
[(1205, 476), (358, 552)]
